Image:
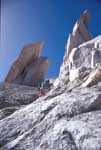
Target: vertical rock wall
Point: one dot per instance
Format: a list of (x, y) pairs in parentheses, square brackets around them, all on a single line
[(29, 69)]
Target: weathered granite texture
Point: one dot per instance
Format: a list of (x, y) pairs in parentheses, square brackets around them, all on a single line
[(93, 78), (63, 119), (29, 68), (84, 58)]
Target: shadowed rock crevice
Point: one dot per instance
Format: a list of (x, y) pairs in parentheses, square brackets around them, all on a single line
[(5, 112)]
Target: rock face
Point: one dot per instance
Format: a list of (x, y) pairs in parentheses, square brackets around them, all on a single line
[(35, 72), (93, 78), (63, 119), (84, 58), (79, 60), (39, 68), (29, 68), (79, 35), (68, 117)]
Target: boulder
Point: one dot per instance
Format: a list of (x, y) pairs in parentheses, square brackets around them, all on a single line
[(93, 78), (12, 95)]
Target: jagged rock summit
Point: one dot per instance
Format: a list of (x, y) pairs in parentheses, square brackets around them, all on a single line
[(68, 117), (79, 35), (81, 56), (29, 69)]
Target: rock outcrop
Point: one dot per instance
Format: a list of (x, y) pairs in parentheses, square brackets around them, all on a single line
[(29, 68), (94, 77), (34, 73), (79, 35), (63, 119), (81, 58), (68, 117)]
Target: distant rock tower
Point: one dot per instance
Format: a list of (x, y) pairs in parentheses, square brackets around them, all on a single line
[(29, 69)]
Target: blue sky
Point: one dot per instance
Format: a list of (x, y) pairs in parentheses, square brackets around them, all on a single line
[(26, 21)]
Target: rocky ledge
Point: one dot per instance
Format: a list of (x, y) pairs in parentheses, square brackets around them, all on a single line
[(68, 117)]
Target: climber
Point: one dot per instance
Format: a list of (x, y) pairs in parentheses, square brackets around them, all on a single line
[(41, 88)]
